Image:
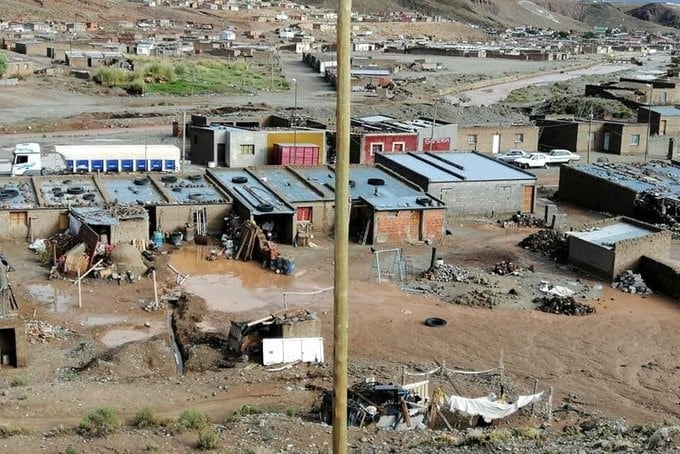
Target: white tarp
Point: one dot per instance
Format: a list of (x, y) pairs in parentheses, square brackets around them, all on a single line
[(489, 409)]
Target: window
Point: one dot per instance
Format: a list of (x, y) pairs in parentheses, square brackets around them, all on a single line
[(472, 139), (18, 218), (21, 159), (398, 147), (591, 137), (376, 148), (519, 138), (246, 149), (635, 139)]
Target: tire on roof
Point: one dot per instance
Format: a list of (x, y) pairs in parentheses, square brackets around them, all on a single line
[(240, 179), (265, 207), (376, 181), (75, 190)]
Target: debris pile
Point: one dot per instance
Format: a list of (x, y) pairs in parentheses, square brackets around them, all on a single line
[(505, 267), (630, 282), (477, 298), (39, 331), (388, 407), (447, 273), (549, 243), (563, 305), (153, 306), (523, 220)]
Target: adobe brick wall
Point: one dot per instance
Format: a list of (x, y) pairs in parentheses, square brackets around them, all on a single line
[(661, 275), (627, 253), (44, 223), (595, 193)]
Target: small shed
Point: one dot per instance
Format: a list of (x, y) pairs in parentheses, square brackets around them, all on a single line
[(616, 245), (119, 224)]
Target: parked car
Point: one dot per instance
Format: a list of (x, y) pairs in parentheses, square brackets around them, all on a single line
[(532, 161), (562, 156), (512, 155)]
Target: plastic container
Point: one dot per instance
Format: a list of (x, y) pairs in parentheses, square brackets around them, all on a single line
[(158, 238), (176, 238)]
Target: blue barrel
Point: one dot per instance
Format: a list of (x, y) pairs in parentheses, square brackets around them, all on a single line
[(290, 267), (158, 238)]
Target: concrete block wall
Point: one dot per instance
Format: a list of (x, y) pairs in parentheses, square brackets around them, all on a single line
[(661, 276), (485, 198), (595, 193), (592, 258), (172, 218)]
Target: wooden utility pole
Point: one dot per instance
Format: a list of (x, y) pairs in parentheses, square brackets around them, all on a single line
[(340, 294)]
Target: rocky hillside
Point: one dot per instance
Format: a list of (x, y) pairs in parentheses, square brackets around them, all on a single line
[(657, 13)]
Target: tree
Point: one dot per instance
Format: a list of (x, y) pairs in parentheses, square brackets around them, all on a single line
[(3, 64)]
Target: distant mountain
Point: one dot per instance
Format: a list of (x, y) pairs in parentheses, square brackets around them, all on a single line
[(657, 13)]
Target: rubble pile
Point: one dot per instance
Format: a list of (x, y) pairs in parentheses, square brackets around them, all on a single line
[(153, 306), (39, 331), (447, 273), (547, 242), (563, 305), (477, 298), (523, 220), (630, 282), (505, 267)]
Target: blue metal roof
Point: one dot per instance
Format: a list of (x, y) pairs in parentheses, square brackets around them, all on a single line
[(56, 191), (124, 191), (667, 111), (460, 166), (393, 194), (17, 193), (192, 189), (252, 193), (609, 235), (285, 182)]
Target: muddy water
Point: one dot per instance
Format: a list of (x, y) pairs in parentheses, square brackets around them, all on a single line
[(235, 286), (45, 293)]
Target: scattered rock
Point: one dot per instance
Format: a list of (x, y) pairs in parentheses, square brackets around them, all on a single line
[(549, 243), (630, 282), (564, 305)]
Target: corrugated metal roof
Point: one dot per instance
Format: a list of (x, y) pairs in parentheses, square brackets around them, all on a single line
[(661, 178), (461, 166), (608, 236), (392, 194), (251, 193), (124, 191), (668, 111), (286, 183), (192, 189)]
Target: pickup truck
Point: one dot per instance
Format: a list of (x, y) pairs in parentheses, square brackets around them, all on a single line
[(532, 161), (562, 156)]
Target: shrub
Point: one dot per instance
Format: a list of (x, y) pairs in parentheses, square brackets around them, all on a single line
[(112, 77), (10, 431), (71, 450), (145, 418), (193, 420), (291, 411), (207, 440), (100, 422), (18, 380)]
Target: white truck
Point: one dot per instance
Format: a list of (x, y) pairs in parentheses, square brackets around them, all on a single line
[(27, 159)]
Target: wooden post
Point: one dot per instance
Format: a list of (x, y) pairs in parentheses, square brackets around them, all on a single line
[(501, 366), (535, 391), (403, 375), (155, 288), (550, 399), (80, 294), (443, 369)]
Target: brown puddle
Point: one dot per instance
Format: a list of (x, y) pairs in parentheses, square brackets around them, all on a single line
[(232, 285)]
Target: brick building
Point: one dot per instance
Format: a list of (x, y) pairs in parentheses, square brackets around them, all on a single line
[(499, 138)]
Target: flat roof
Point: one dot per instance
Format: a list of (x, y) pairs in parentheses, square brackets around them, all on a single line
[(391, 194), (189, 189), (17, 193), (458, 166), (668, 111), (250, 191), (68, 191), (659, 177), (287, 183), (131, 191), (607, 236)]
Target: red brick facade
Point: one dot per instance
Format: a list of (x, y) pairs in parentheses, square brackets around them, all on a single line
[(408, 225), (387, 143)]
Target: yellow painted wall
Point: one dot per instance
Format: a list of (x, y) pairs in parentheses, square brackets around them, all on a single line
[(317, 138)]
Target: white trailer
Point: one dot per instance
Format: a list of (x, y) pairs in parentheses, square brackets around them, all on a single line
[(27, 159)]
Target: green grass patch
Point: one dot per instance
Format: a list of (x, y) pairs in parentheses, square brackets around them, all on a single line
[(193, 420), (71, 450), (18, 381), (100, 422)]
